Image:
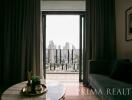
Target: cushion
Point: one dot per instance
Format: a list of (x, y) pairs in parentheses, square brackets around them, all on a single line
[(100, 67), (122, 70), (103, 82)]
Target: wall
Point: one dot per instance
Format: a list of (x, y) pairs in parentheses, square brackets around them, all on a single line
[(63, 5), (124, 48)]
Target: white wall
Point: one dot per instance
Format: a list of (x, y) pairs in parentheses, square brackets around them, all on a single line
[(63, 6), (124, 48)]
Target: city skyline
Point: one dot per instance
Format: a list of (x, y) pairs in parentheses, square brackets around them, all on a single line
[(67, 45)]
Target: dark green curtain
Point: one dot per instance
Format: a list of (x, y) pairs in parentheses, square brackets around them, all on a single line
[(100, 32), (19, 40)]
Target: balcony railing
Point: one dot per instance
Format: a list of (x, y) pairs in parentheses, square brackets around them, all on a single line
[(62, 60)]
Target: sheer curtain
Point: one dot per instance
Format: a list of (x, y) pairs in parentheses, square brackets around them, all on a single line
[(19, 40), (100, 31)]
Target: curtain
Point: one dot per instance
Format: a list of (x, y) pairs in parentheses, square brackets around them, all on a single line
[(100, 32), (19, 40), (42, 74)]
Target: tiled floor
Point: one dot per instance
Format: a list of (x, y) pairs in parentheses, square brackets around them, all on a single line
[(74, 89), (63, 77)]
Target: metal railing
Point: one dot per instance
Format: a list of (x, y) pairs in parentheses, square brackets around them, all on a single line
[(62, 60)]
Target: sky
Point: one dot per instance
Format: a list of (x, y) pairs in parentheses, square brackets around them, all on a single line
[(62, 29)]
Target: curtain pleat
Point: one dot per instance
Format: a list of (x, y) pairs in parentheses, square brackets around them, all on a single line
[(20, 40)]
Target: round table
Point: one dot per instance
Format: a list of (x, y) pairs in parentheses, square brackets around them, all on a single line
[(55, 91)]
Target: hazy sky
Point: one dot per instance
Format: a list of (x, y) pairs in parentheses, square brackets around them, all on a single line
[(62, 29)]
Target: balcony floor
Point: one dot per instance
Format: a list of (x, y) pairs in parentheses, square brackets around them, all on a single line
[(63, 76)]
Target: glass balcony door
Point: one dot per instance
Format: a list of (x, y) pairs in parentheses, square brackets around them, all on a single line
[(82, 33), (64, 59)]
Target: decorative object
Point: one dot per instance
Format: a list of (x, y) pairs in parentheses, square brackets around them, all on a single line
[(34, 86), (39, 89), (128, 16)]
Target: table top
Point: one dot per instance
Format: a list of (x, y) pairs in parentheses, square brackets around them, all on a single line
[(55, 91)]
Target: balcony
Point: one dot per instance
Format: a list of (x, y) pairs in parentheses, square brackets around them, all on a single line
[(62, 61)]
